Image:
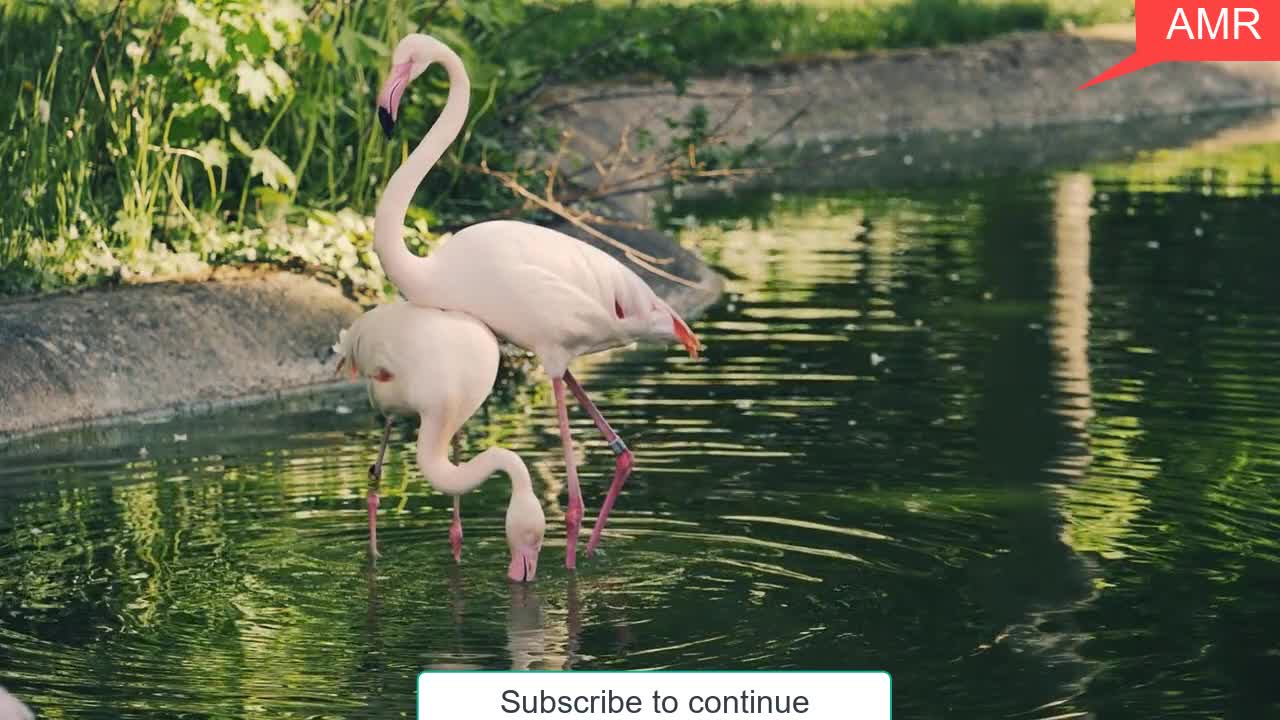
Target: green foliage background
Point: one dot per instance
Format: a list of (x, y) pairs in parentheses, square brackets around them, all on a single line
[(156, 137)]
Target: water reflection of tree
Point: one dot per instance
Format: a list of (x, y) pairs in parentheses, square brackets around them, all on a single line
[(1149, 489), (949, 434), (1185, 385)]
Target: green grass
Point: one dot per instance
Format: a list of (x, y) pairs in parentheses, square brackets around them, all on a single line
[(150, 137)]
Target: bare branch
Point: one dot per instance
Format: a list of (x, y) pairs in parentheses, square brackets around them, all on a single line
[(555, 164), (644, 260), (790, 121), (97, 54), (431, 14), (559, 209)]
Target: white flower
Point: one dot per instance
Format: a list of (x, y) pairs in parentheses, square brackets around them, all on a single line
[(42, 111), (254, 84), (211, 96), (212, 153), (277, 75), (275, 173), (281, 22), (203, 37)]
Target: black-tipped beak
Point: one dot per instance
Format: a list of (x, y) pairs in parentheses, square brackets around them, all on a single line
[(388, 122)]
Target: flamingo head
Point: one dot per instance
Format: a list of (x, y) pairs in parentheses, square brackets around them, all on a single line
[(526, 525), (412, 56)]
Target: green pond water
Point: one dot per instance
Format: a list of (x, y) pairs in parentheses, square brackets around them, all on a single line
[(1008, 437)]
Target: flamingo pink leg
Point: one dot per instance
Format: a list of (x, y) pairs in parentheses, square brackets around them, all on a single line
[(622, 466), (573, 513), (373, 523), (455, 530), (375, 480)]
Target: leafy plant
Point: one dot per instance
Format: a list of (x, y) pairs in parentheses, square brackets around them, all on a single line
[(142, 137)]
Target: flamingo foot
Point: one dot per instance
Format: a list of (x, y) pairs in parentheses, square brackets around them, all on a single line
[(573, 525), (621, 471)]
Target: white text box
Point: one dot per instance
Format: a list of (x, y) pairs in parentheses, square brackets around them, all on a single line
[(654, 695)]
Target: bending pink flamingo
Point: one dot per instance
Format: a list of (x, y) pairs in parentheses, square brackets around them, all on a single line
[(11, 708), (541, 289), (441, 365)]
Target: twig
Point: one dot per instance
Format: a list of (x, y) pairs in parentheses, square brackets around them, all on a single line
[(623, 147), (431, 14), (555, 164), (790, 121), (644, 260), (97, 54), (669, 167), (715, 131), (558, 208), (628, 186), (529, 24), (576, 59)]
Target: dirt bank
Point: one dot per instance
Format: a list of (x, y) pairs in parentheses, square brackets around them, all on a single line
[(1022, 80), (157, 349), (74, 358), (1013, 83)]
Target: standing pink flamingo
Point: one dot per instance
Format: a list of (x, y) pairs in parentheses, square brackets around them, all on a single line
[(541, 289), (441, 365)]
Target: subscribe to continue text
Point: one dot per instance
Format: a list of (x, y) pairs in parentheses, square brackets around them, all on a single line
[(656, 695)]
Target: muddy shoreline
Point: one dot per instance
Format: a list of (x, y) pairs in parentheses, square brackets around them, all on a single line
[(147, 352), (1004, 87)]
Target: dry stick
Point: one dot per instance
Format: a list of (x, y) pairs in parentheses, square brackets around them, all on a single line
[(606, 175), (715, 131), (431, 14), (713, 138), (555, 164), (627, 187), (671, 169), (153, 40), (558, 208), (529, 24), (673, 165), (623, 147), (577, 58), (149, 47), (97, 54), (642, 259), (615, 158), (790, 121)]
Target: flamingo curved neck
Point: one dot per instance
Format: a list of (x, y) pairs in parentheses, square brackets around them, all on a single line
[(461, 479), (404, 268)]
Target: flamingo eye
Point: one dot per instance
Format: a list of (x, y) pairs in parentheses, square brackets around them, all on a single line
[(383, 375)]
